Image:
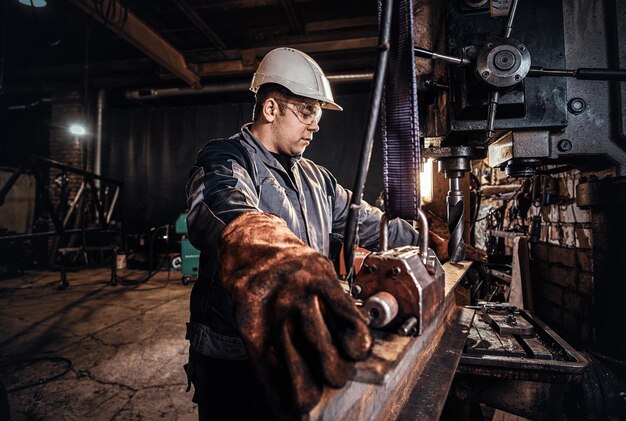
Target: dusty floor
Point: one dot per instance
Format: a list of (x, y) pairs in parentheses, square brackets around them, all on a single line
[(123, 347)]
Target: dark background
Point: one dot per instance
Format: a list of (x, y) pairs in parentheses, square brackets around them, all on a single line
[(151, 149)]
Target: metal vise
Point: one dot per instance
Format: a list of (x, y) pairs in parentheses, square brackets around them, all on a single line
[(401, 288)]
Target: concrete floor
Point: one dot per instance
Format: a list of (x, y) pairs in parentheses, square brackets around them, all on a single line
[(125, 344)]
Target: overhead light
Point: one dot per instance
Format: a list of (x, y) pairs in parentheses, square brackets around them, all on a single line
[(78, 129), (33, 3)]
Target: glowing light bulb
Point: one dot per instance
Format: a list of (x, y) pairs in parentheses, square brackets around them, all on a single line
[(78, 129)]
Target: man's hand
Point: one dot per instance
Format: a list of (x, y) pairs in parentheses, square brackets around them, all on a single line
[(440, 247), (300, 329)]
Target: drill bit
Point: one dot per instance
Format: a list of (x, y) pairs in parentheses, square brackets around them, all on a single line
[(456, 246)]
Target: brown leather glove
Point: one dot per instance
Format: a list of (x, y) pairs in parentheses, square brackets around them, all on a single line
[(299, 327)]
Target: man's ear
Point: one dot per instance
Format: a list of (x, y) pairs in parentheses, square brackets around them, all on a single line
[(270, 109)]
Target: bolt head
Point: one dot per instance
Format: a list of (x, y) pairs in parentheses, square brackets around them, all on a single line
[(564, 145), (576, 106)]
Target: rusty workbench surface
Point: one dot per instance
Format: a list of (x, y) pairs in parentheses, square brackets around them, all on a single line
[(399, 364)]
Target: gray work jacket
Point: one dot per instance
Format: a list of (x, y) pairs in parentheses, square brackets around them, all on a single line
[(239, 174)]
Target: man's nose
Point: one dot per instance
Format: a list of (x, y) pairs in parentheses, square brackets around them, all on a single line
[(313, 127)]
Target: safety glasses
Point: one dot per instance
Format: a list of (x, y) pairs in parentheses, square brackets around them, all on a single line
[(304, 112)]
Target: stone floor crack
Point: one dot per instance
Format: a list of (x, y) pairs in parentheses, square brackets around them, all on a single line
[(86, 373)]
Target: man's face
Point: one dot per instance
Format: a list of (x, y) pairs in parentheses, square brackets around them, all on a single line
[(294, 128)]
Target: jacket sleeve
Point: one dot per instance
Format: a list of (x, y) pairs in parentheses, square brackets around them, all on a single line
[(400, 232), (221, 187)]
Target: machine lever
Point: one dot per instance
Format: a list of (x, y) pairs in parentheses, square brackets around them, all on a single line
[(424, 53), (582, 73), (491, 112), (509, 24)]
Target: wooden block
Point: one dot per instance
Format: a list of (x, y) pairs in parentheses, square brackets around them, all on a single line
[(385, 356)]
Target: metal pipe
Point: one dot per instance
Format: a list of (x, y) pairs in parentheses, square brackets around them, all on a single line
[(488, 191), (49, 233), (98, 158), (56, 164), (351, 77), (581, 74), (29, 105), (423, 229), (491, 112), (109, 213), (218, 88), (509, 25), (384, 231), (9, 184), (79, 194), (424, 53), (536, 71), (368, 138), (146, 94)]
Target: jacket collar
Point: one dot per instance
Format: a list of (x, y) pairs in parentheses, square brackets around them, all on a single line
[(266, 156)]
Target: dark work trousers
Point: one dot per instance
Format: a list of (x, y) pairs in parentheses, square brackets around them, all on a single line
[(226, 390)]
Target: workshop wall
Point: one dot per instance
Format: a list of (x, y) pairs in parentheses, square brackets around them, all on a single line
[(564, 293), (151, 150), (563, 260)]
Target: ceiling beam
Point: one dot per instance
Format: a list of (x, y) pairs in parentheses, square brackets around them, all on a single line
[(200, 24), (119, 19), (144, 72), (248, 62), (329, 25), (292, 15)]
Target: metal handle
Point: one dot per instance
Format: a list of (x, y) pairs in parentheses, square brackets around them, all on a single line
[(384, 231), (581, 74), (422, 227), (424, 53)]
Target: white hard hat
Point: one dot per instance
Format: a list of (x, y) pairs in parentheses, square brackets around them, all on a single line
[(297, 72)]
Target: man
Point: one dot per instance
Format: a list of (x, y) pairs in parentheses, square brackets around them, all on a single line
[(270, 324)]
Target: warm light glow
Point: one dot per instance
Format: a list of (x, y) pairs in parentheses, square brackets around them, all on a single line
[(426, 182), (77, 129), (33, 3)]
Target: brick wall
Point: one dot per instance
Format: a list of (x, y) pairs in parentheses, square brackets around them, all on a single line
[(562, 260), (66, 109), (563, 288), (562, 265)]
